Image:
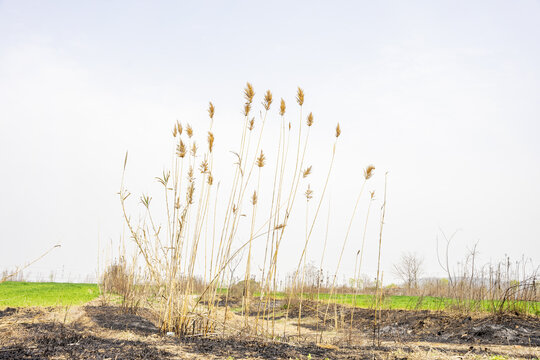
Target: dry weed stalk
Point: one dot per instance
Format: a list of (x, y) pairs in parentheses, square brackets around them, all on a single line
[(378, 304), (361, 254), (17, 271), (368, 173)]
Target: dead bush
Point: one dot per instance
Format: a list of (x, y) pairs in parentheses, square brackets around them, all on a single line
[(238, 290)]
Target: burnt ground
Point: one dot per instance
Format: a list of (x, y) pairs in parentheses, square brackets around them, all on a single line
[(96, 331), (431, 326)]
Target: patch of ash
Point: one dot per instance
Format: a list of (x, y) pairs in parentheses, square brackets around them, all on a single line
[(53, 340), (112, 317), (7, 312)]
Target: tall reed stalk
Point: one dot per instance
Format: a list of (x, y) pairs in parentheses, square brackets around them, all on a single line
[(376, 324)]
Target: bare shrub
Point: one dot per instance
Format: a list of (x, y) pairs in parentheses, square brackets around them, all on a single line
[(121, 278), (409, 269), (240, 289), (504, 286), (116, 279)]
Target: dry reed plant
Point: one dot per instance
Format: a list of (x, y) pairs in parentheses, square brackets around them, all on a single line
[(378, 292), (204, 226), (368, 173), (357, 270)]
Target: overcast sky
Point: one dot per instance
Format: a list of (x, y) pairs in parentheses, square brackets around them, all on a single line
[(444, 95)]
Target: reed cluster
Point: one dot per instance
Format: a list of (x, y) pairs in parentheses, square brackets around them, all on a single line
[(203, 225)]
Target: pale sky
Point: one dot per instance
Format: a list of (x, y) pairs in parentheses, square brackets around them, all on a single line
[(445, 95)]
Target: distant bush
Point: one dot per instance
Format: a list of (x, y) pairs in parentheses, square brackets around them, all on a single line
[(239, 289), (116, 279)]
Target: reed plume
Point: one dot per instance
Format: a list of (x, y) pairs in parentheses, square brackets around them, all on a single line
[(210, 141), (181, 149), (300, 96), (282, 108), (249, 93), (368, 172), (310, 119), (306, 172), (309, 193), (261, 160), (211, 110), (267, 100)]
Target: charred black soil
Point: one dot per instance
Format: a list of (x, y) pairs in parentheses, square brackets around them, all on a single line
[(106, 332), (425, 325)]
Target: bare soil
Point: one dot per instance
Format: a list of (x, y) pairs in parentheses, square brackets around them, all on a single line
[(96, 331)]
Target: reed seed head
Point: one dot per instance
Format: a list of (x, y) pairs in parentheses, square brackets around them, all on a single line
[(310, 119), (309, 193), (204, 166), (190, 174), (338, 130), (254, 198), (249, 93), (181, 149), (179, 127), (182, 221), (194, 149), (251, 124), (300, 96), (306, 172), (210, 179), (211, 110), (189, 131), (368, 171), (247, 109), (372, 194), (174, 131), (190, 192), (282, 107), (267, 100), (261, 160), (210, 141)]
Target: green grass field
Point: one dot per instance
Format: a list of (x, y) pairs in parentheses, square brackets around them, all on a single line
[(390, 302), (20, 294), (421, 303), (433, 303)]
